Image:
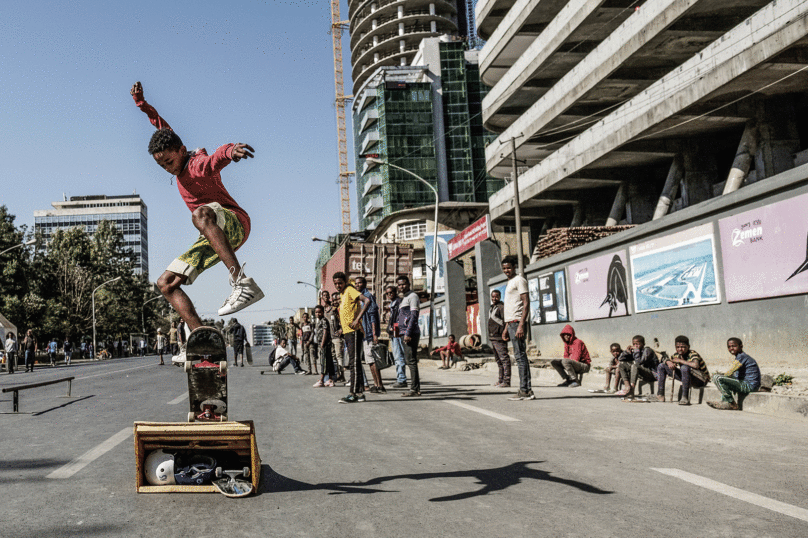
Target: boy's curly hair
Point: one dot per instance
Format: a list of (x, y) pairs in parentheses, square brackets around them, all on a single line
[(164, 139)]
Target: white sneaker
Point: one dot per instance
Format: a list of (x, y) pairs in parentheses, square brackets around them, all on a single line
[(180, 358), (245, 292)]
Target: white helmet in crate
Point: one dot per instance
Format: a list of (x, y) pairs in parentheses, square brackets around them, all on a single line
[(159, 468)]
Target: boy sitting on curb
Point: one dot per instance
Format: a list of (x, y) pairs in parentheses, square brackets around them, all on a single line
[(619, 356), (743, 377), (687, 366), (644, 364)]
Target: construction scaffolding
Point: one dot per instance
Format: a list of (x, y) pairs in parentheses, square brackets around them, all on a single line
[(337, 26)]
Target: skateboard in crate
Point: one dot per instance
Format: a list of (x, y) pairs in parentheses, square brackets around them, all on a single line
[(206, 367)]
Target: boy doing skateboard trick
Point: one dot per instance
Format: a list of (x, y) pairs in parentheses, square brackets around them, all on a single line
[(223, 225)]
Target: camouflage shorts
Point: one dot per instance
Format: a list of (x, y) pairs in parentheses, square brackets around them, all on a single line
[(201, 255)]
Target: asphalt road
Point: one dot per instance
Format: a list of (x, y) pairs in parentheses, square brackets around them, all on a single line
[(461, 460)]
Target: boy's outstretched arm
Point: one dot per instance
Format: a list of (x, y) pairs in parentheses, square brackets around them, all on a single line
[(154, 117)]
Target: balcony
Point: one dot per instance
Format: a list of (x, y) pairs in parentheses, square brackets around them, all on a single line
[(369, 141), (373, 182), (373, 205), (367, 97), (368, 118)]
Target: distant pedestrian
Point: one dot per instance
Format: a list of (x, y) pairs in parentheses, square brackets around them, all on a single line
[(371, 328), (172, 338), (160, 344), (53, 347), (143, 346), (11, 352), (67, 346), (30, 346), (498, 336), (350, 313), (322, 340), (308, 347), (517, 307), (91, 350), (239, 334), (291, 335)]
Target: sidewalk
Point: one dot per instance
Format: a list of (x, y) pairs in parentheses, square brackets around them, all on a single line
[(789, 402)]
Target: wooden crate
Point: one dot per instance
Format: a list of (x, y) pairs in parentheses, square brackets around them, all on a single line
[(235, 436)]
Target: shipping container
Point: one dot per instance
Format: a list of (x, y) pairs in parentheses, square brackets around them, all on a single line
[(379, 263)]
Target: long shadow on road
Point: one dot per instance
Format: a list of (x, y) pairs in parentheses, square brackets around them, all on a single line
[(495, 479)]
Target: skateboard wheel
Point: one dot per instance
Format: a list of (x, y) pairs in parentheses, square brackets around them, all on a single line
[(223, 367), (218, 472), (188, 366), (191, 416), (223, 418), (246, 472)]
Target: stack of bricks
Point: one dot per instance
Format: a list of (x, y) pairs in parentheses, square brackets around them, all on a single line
[(560, 240)]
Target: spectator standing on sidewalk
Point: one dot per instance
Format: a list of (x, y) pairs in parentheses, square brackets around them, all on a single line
[(239, 334), (322, 341), (371, 327), (393, 333), (143, 346), (30, 347), (337, 342), (307, 345), (68, 349), (160, 344), (11, 352), (350, 313), (517, 307), (409, 332), (576, 358), (498, 336), (291, 336)]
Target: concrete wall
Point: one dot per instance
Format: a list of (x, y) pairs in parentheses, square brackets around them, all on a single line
[(773, 330)]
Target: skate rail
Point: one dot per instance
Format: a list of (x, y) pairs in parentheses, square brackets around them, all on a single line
[(15, 398)]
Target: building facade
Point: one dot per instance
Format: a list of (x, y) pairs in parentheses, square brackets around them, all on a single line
[(261, 335), (426, 119), (388, 32), (127, 212)]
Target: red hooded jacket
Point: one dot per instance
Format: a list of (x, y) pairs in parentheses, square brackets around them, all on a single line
[(575, 349)]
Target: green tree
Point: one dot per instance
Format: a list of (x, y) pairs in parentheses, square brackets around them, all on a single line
[(14, 270)]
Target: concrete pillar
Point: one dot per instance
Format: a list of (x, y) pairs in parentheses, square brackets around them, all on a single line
[(618, 206), (640, 202), (577, 216), (373, 7), (433, 27), (778, 138), (675, 175), (403, 61), (374, 23), (487, 258), (701, 172), (432, 9), (401, 28), (743, 158), (375, 57), (402, 45), (375, 40), (400, 12)]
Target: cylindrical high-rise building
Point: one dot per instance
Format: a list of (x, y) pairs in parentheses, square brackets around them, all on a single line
[(387, 32)]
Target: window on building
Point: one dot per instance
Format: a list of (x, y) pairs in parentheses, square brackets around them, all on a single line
[(411, 231)]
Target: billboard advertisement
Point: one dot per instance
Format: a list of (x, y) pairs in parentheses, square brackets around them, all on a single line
[(675, 271), (599, 287), (443, 252), (548, 298), (764, 251), (480, 230)]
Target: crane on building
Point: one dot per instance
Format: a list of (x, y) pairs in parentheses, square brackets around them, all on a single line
[(337, 26)]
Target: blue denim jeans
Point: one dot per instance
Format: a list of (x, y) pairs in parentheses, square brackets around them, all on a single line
[(398, 356), (520, 356)]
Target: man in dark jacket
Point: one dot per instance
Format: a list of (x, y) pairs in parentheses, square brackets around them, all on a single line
[(395, 342), (239, 339), (496, 329), (644, 364), (576, 358)]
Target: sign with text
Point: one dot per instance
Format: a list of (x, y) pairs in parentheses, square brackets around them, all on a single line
[(675, 271), (599, 287), (764, 251), (465, 240)]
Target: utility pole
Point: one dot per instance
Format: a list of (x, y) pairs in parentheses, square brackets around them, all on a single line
[(517, 212)]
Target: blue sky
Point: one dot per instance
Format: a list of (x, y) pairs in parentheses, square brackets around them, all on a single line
[(255, 72)]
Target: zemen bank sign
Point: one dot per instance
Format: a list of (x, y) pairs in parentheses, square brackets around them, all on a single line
[(465, 240)]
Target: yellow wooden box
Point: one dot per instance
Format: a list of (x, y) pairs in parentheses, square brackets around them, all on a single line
[(235, 436)]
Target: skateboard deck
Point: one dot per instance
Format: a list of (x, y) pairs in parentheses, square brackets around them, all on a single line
[(635, 400), (248, 353), (233, 483), (598, 391), (206, 367)]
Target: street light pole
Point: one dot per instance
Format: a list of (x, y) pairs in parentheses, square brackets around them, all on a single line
[(517, 211), (29, 242), (95, 290), (143, 313), (434, 243)]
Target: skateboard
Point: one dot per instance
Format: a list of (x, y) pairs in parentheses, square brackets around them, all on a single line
[(236, 483), (206, 366), (598, 391), (248, 353)]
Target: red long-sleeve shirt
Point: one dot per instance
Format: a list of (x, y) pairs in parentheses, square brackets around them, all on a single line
[(454, 347), (200, 182)]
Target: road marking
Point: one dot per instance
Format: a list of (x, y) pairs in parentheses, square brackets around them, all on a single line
[(482, 411), (178, 399), (751, 498), (115, 372), (91, 455)]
